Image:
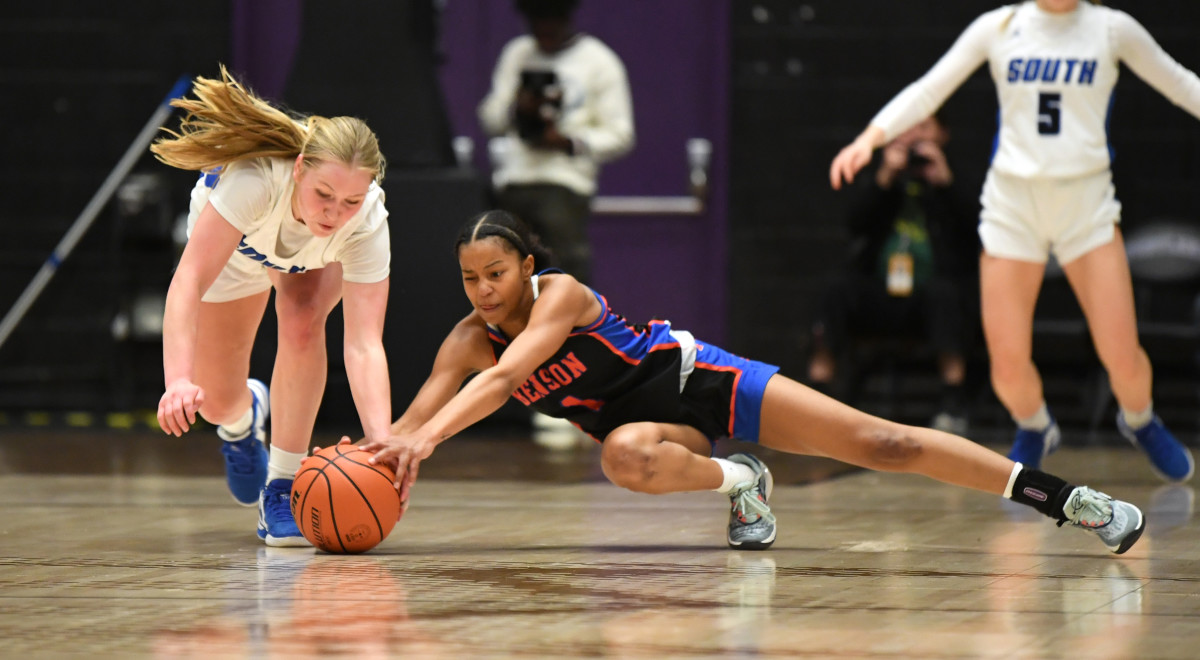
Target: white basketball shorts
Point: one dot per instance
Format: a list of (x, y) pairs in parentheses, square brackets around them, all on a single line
[(1027, 219)]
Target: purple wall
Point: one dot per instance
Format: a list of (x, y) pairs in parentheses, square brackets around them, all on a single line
[(677, 55), (264, 38)]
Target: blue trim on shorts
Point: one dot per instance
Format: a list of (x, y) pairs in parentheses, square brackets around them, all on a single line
[(752, 377)]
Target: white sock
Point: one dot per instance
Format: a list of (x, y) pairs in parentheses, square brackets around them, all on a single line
[(284, 464), (238, 429), (1137, 420), (1012, 479), (735, 473), (1038, 421)]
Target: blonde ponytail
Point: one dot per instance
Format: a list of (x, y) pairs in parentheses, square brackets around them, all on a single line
[(226, 123)]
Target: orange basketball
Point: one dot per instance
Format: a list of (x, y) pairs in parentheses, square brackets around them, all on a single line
[(341, 502)]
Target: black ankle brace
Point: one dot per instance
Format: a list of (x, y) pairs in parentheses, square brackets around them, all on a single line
[(1044, 492)]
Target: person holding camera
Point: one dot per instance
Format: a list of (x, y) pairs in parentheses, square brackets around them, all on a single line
[(1049, 190), (560, 102), (558, 109), (912, 251)]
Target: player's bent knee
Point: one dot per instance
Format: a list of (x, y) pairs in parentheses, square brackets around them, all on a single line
[(301, 330), (218, 412), (627, 459)]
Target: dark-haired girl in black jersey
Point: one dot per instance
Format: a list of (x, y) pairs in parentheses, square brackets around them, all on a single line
[(657, 399)]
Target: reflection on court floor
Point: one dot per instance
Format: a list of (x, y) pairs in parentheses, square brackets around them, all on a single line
[(544, 561)]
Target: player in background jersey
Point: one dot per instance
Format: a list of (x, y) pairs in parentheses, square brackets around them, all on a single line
[(657, 399), (1049, 189), (289, 203)]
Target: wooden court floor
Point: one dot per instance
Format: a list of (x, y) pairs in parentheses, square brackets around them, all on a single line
[(128, 546)]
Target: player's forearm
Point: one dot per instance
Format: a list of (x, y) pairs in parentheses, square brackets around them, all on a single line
[(179, 332), (478, 399), (367, 371)]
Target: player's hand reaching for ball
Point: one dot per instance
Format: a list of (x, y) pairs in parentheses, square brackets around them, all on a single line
[(178, 406), (344, 441), (403, 453)]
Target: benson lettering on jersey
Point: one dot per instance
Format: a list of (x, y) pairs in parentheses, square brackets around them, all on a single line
[(262, 258), (549, 378), (1037, 69)]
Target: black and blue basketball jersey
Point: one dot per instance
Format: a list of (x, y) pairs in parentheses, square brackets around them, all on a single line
[(609, 366), (613, 372)]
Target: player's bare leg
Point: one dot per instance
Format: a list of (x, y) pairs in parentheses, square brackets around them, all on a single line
[(663, 458)]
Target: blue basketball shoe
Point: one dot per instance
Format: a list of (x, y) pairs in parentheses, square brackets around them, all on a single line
[(1030, 447), (246, 458), (1170, 459), (751, 523), (276, 524)]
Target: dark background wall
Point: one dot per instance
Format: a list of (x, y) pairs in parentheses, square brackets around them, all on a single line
[(78, 80), (807, 75), (778, 86)]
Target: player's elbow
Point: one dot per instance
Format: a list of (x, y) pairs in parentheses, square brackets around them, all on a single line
[(186, 283)]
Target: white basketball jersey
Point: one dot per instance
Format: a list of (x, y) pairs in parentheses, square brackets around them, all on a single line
[(1054, 76), (255, 197)]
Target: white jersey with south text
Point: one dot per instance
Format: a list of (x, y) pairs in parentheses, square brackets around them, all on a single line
[(255, 196), (1054, 77)]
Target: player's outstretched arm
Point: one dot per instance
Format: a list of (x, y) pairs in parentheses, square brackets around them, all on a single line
[(854, 156), (212, 242), (563, 303), (364, 308)]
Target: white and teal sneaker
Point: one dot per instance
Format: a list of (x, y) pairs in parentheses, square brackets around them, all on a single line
[(751, 523), (1118, 524)]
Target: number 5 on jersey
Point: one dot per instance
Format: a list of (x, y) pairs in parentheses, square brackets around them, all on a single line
[(1049, 113)]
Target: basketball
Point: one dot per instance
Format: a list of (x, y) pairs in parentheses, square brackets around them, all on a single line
[(341, 502)]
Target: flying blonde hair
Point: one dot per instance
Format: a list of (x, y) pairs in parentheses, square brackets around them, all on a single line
[(227, 123)]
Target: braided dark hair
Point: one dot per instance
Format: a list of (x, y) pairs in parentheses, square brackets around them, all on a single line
[(509, 229)]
